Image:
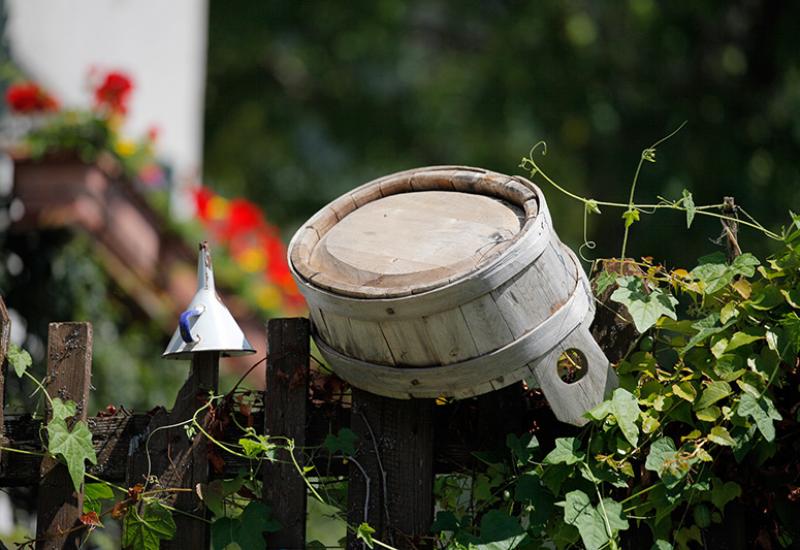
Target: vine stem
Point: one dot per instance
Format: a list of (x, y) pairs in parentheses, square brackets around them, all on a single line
[(591, 205), (647, 155)]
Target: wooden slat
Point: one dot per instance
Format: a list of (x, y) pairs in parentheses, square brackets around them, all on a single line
[(69, 372), (391, 475), (285, 410)]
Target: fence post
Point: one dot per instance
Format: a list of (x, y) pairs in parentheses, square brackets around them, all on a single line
[(69, 372), (391, 475), (178, 461), (285, 401)]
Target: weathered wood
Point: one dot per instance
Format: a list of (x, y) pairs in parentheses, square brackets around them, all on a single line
[(69, 372), (391, 474), (5, 336), (425, 239), (451, 282), (177, 461), (285, 411), (613, 328)]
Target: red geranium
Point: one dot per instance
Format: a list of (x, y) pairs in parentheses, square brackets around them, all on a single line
[(114, 92), (243, 217), (202, 196), (28, 97)]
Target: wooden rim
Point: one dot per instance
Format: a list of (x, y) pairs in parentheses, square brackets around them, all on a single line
[(463, 379), (525, 247), (513, 189)]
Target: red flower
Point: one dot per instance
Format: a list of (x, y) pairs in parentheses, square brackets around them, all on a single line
[(114, 92), (243, 216), (28, 97), (202, 196)]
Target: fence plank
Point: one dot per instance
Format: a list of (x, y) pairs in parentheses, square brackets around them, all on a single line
[(177, 461), (391, 475), (69, 372), (285, 401)]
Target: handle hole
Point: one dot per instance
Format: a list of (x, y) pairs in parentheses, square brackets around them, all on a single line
[(571, 365)]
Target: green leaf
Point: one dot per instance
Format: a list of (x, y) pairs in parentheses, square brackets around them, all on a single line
[(664, 459), (604, 280), (93, 493), (723, 493), (762, 411), (712, 277), (567, 451), (445, 521), (63, 410), (705, 327), (714, 392), (497, 525), (740, 339), (600, 411), (745, 265), (792, 297), (791, 326), (765, 298), (247, 530), (522, 447), (529, 488), (19, 359), (661, 544), (592, 207), (213, 494), (146, 531), (685, 390), (626, 410), (364, 532), (728, 312), (709, 414), (630, 216), (73, 446), (645, 309), (344, 442), (259, 446), (688, 204), (720, 436), (591, 521)]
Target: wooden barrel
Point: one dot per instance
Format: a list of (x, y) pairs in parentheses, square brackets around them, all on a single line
[(448, 281)]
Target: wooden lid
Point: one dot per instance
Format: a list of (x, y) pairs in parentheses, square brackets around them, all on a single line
[(413, 236)]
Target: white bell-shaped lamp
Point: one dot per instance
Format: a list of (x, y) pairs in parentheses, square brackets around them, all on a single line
[(207, 325)]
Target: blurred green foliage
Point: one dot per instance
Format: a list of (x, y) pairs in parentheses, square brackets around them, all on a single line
[(60, 279), (308, 100)]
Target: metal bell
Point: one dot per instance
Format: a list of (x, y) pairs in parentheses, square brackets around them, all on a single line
[(207, 325)]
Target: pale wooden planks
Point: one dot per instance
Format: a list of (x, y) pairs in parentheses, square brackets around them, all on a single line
[(445, 281)]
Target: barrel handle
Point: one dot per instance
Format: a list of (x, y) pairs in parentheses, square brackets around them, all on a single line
[(570, 401)]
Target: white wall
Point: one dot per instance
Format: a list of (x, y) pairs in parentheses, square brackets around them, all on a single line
[(160, 43)]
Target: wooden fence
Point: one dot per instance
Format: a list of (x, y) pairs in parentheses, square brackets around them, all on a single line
[(390, 482)]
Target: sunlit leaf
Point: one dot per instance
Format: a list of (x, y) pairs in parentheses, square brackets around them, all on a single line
[(19, 359), (645, 308), (73, 446)]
